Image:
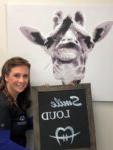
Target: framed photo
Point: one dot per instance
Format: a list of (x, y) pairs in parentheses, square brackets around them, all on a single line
[(96, 65), (63, 117)]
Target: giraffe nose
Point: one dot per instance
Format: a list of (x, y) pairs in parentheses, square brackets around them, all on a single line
[(66, 40)]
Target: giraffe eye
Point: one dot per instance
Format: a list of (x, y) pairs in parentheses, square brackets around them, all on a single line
[(89, 42)]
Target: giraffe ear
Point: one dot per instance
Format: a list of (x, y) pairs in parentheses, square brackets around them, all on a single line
[(33, 35), (102, 30)]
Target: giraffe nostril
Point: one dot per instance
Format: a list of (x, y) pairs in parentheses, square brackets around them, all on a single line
[(69, 39), (63, 40), (76, 42)]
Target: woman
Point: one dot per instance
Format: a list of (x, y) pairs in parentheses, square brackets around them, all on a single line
[(14, 102)]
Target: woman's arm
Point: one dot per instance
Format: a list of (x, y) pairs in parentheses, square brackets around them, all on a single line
[(6, 143)]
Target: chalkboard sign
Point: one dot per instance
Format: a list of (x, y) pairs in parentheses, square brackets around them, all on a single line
[(63, 118)]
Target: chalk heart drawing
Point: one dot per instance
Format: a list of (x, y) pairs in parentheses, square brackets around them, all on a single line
[(65, 135)]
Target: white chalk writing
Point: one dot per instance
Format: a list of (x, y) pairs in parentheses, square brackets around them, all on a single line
[(55, 115), (73, 101), (64, 135)]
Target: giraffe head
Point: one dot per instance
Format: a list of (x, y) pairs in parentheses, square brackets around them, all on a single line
[(68, 44)]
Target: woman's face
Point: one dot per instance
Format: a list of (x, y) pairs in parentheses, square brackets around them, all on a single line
[(17, 80)]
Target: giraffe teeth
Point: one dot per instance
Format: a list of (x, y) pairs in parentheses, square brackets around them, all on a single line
[(68, 56)]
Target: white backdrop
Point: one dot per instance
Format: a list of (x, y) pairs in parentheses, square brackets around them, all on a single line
[(99, 66)]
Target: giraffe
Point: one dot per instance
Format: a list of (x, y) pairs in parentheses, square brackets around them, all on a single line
[(68, 44)]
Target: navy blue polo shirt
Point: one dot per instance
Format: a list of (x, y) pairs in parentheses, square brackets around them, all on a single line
[(13, 123)]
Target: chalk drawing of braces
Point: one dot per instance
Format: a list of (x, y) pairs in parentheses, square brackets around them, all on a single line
[(68, 134)]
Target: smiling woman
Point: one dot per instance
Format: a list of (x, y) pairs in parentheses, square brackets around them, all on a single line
[(14, 102), (17, 80)]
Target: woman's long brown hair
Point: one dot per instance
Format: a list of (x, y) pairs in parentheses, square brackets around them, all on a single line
[(24, 97)]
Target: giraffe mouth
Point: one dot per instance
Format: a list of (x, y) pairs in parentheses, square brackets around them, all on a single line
[(65, 56), (68, 45), (65, 61)]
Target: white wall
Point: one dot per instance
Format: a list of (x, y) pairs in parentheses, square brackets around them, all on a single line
[(103, 111)]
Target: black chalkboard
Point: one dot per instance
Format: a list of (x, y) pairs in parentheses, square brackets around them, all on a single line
[(63, 118)]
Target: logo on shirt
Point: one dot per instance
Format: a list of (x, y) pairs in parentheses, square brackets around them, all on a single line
[(22, 118)]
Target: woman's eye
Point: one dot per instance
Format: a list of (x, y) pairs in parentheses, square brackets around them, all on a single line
[(17, 75), (25, 76)]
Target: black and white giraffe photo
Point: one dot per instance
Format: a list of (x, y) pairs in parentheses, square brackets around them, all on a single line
[(65, 44)]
